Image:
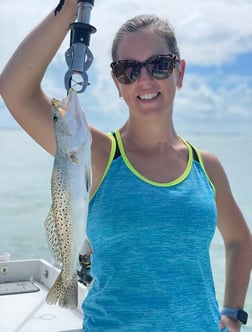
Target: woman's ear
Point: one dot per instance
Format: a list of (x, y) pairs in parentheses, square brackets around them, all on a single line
[(180, 74), (116, 84)]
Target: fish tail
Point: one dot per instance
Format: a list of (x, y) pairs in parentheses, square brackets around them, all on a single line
[(65, 293)]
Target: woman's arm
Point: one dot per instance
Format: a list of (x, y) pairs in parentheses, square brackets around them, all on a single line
[(21, 78), (20, 86), (236, 236)]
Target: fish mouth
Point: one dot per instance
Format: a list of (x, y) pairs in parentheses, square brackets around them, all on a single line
[(149, 96)]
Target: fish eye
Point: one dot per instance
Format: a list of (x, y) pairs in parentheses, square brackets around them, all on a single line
[(55, 118)]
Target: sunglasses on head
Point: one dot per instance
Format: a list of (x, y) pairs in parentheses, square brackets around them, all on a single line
[(159, 67)]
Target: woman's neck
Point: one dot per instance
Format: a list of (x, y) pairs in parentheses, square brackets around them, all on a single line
[(148, 135)]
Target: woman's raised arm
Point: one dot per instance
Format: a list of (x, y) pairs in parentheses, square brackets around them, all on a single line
[(20, 81)]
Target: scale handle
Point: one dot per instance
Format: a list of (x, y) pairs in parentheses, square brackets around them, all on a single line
[(79, 57)]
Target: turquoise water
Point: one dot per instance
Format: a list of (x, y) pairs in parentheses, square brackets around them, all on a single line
[(25, 195)]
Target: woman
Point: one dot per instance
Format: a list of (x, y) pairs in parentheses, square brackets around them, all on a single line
[(155, 199)]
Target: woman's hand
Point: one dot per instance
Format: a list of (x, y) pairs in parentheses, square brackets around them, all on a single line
[(71, 3), (230, 324)]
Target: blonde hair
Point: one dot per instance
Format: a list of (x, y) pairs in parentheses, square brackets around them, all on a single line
[(162, 27)]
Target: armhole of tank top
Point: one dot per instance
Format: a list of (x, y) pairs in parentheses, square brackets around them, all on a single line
[(200, 160), (110, 159)]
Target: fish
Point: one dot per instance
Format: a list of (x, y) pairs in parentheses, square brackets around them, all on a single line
[(71, 181)]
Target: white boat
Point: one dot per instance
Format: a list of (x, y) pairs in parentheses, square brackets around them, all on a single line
[(23, 288), (24, 285)]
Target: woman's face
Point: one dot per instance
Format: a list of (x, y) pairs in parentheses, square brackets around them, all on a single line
[(147, 96)]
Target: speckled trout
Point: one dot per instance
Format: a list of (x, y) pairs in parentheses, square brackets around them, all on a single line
[(70, 186)]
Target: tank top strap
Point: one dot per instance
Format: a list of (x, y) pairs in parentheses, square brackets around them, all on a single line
[(117, 149), (195, 152), (197, 157), (114, 147)]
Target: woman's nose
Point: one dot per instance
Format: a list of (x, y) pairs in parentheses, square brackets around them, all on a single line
[(144, 75)]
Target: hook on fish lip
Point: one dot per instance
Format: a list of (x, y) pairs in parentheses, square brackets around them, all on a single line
[(82, 85), (75, 79)]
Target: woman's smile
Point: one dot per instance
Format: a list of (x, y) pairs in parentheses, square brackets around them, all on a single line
[(148, 96)]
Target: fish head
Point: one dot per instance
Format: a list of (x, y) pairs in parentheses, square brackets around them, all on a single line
[(70, 126)]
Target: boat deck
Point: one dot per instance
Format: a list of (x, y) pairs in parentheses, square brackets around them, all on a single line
[(23, 288)]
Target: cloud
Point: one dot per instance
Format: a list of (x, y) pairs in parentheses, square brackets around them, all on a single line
[(210, 34), (214, 103), (214, 32), (209, 31)]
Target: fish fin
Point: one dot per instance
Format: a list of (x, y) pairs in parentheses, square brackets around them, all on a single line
[(86, 248), (52, 236), (88, 177), (65, 293)]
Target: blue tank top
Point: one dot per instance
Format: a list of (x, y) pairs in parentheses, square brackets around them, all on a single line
[(150, 243)]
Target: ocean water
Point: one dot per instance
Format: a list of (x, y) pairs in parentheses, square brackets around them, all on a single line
[(25, 171)]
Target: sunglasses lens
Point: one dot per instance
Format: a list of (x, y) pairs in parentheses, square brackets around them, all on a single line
[(159, 67), (126, 71)]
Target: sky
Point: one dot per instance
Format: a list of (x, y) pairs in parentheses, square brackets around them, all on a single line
[(214, 37)]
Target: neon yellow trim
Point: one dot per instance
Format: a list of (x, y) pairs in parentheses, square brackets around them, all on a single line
[(203, 167), (134, 171), (110, 159)]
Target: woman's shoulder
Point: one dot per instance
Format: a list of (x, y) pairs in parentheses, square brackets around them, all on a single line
[(214, 169), (211, 161)]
